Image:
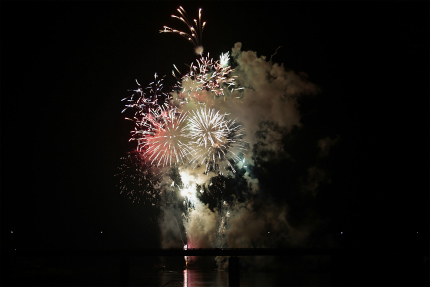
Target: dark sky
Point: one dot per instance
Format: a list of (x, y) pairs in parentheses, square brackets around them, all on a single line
[(65, 66)]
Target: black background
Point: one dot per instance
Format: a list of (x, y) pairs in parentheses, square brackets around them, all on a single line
[(65, 66)]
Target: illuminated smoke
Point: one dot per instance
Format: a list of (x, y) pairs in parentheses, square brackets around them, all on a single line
[(221, 121)]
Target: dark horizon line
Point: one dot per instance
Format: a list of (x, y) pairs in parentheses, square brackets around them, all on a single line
[(215, 252)]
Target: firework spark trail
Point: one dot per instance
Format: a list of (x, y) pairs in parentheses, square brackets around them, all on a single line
[(196, 29)]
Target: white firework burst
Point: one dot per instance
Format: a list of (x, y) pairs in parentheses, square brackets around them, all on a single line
[(214, 139)]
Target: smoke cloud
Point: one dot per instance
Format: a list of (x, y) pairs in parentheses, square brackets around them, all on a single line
[(244, 216), (268, 109)]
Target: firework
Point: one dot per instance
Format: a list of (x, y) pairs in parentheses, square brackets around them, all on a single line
[(175, 134), (159, 128), (207, 76), (143, 99), (214, 139), (161, 136), (190, 153), (138, 180), (195, 27)]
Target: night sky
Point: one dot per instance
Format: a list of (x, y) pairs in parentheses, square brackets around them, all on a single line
[(65, 66)]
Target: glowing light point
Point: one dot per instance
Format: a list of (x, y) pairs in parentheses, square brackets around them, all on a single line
[(223, 61), (199, 50), (186, 257)]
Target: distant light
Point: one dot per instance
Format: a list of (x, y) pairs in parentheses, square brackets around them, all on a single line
[(268, 232), (12, 232), (417, 232), (341, 232), (101, 232)]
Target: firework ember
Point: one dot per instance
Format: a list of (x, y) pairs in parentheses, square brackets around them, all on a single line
[(138, 179)]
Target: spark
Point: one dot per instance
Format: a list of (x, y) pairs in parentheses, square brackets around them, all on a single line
[(138, 180)]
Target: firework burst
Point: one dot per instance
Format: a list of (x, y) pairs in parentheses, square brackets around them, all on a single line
[(207, 79), (210, 76), (161, 136), (196, 29), (214, 139)]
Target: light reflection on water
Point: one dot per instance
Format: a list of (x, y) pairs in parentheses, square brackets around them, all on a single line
[(215, 278), (307, 271), (194, 278), (206, 278)]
